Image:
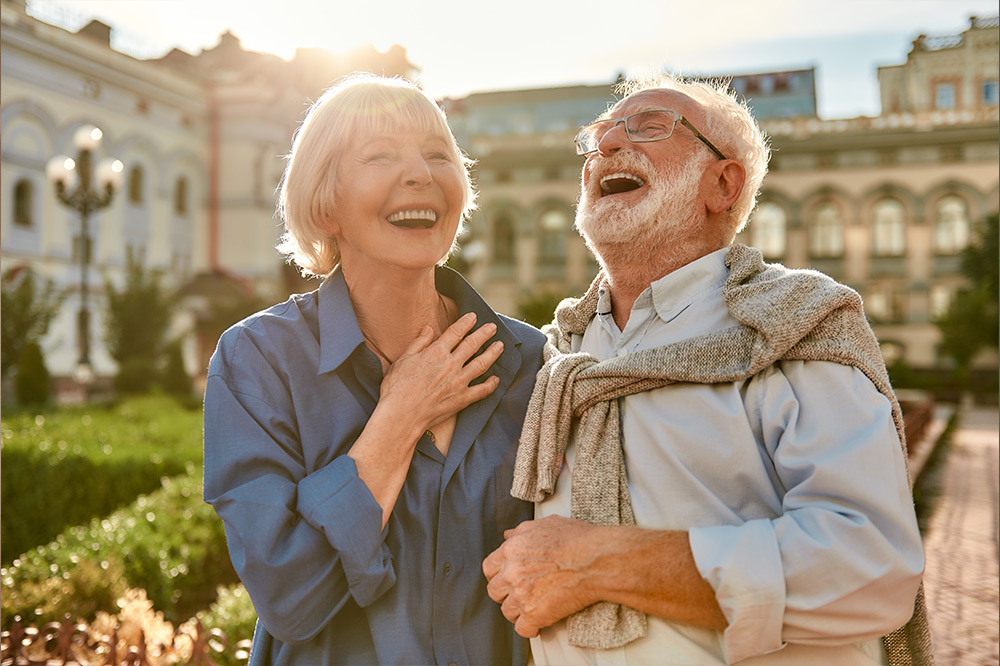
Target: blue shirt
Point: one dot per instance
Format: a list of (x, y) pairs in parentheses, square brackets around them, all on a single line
[(289, 390)]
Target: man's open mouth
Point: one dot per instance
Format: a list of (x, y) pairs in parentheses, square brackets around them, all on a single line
[(616, 183), (413, 219)]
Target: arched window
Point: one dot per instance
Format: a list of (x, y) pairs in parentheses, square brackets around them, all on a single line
[(951, 224), (767, 229), (826, 233), (503, 240), (136, 185), (888, 228), (552, 225), (181, 196), (24, 195)]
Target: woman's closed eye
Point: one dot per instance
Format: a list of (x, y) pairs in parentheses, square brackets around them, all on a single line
[(374, 158), (438, 156)]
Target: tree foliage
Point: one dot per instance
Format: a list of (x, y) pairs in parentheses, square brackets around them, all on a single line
[(539, 309), (29, 306), (136, 326), (972, 321)]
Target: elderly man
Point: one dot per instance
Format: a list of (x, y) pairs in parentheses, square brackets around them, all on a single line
[(714, 448)]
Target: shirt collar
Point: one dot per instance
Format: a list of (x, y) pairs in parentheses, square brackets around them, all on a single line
[(674, 292), (340, 333)]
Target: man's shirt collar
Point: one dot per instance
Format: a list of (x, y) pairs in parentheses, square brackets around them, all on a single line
[(673, 293), (676, 291)]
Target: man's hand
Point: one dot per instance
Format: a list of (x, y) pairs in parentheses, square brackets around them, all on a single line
[(550, 568), (540, 573)]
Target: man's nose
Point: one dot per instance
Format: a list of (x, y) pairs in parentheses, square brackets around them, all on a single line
[(614, 139)]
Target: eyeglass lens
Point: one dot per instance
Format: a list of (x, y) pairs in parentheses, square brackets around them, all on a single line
[(651, 125)]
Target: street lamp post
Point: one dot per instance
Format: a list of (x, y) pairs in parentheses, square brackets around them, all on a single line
[(75, 182)]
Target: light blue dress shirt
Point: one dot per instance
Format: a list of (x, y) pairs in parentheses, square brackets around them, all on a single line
[(289, 390), (791, 485)]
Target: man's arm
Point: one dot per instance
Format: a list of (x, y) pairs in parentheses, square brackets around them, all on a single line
[(839, 563), (550, 568)]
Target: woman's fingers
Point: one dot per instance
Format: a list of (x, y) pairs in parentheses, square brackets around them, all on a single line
[(435, 376), (482, 363), (455, 333)]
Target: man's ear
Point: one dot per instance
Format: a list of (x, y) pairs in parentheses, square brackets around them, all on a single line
[(727, 179)]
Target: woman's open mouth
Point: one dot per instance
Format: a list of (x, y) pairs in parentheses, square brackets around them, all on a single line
[(413, 219)]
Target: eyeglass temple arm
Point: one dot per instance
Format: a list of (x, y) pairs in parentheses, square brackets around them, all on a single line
[(701, 137)]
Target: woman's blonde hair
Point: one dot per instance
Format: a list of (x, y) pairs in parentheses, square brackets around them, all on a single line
[(357, 105)]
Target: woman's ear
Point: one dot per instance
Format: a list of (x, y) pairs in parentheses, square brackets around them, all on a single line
[(328, 219), (727, 179)]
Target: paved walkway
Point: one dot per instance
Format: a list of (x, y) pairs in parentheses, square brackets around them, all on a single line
[(961, 578)]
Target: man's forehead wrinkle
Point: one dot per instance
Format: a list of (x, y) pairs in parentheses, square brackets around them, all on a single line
[(655, 98), (613, 113)]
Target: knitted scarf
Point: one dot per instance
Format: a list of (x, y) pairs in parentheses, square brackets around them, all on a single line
[(783, 314)]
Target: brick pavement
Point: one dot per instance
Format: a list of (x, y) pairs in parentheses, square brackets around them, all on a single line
[(961, 577)]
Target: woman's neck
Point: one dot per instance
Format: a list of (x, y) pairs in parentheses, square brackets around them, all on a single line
[(392, 309)]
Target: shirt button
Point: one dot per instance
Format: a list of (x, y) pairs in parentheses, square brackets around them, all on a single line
[(451, 663), (447, 568)]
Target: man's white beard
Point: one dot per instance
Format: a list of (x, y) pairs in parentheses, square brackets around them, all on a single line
[(621, 234)]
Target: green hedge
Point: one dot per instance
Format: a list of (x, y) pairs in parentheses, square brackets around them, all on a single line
[(234, 614), (169, 543), (65, 467)]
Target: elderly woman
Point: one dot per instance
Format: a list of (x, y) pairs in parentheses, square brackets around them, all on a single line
[(359, 439)]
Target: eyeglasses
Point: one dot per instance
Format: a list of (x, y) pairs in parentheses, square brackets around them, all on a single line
[(642, 127)]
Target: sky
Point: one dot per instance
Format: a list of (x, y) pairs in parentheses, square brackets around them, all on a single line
[(464, 46)]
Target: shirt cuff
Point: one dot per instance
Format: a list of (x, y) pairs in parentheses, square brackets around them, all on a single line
[(743, 564), (335, 500)]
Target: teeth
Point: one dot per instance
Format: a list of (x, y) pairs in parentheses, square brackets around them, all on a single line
[(426, 214), (617, 176)]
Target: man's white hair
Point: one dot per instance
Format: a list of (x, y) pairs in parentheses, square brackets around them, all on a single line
[(729, 125)]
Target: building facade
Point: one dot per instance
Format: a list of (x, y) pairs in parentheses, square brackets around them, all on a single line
[(884, 204), (201, 138)]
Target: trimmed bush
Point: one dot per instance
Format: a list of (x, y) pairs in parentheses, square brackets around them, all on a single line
[(169, 543), (32, 378), (65, 467), (175, 379), (234, 614)]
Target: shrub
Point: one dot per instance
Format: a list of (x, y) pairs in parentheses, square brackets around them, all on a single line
[(32, 378), (29, 306), (169, 543), (81, 591), (137, 319), (65, 467), (234, 614), (175, 379), (135, 376)]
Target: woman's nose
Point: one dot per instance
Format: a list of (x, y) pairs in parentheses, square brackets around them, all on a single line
[(416, 172)]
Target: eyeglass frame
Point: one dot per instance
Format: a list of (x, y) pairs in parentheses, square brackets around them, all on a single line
[(624, 119)]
